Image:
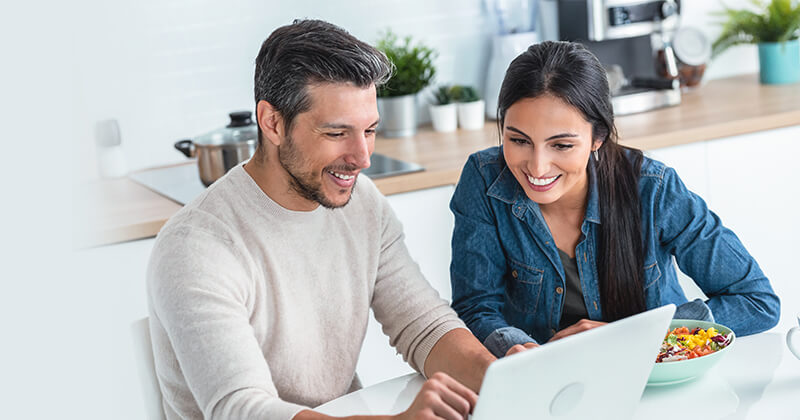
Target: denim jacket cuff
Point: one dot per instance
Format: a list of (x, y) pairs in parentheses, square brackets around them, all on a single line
[(696, 309), (502, 339)]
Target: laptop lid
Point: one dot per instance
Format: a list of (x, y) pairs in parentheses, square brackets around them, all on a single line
[(596, 374)]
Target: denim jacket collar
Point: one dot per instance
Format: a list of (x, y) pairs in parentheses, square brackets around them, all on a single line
[(506, 188)]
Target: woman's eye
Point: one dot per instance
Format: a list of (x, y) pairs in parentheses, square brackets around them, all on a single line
[(518, 140), (561, 146)]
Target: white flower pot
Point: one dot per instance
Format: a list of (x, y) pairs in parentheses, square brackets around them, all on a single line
[(470, 115), (444, 117)]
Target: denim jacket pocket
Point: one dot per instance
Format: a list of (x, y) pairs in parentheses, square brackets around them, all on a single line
[(524, 284), (652, 285), (651, 274)]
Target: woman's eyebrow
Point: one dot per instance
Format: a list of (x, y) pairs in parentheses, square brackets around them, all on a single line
[(518, 131), (553, 137)]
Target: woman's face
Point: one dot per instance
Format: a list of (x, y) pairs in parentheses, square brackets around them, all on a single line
[(546, 144)]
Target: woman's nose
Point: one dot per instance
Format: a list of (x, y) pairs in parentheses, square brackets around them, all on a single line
[(539, 164)]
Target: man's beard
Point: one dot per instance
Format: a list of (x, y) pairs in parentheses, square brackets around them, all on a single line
[(307, 184)]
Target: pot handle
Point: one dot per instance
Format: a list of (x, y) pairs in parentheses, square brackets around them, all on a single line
[(186, 147)]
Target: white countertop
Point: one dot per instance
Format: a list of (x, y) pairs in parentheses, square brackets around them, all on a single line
[(759, 378)]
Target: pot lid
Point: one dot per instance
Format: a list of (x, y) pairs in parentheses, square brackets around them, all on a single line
[(691, 46), (240, 129)]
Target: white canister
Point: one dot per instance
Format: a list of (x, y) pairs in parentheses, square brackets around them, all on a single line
[(505, 48)]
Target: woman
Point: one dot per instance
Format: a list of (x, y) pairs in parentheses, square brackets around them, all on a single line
[(561, 229)]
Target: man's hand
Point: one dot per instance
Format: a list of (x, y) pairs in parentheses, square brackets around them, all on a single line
[(441, 397), (580, 326), (517, 348)]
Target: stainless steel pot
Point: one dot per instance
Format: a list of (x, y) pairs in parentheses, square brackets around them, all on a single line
[(220, 150)]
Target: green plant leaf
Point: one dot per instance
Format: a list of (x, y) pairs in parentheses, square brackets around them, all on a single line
[(772, 21), (413, 65)]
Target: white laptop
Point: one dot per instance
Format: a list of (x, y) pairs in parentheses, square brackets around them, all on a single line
[(596, 374)]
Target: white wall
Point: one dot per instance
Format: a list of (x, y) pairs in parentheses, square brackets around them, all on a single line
[(168, 70)]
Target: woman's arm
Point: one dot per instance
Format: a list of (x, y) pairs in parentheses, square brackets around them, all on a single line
[(740, 296), (479, 264)]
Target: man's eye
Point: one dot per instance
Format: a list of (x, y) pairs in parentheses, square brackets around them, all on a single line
[(335, 134), (370, 132), (561, 146)]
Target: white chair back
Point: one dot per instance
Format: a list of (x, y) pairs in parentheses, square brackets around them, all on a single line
[(143, 351)]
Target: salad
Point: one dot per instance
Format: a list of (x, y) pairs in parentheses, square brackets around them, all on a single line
[(683, 344)]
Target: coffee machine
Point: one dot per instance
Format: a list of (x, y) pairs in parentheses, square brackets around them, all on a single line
[(632, 40)]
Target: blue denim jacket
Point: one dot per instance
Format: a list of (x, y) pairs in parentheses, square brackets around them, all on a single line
[(506, 271)]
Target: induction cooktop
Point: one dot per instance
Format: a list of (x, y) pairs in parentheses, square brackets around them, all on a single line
[(181, 183)]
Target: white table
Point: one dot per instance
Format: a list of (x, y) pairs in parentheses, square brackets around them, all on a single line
[(759, 378)]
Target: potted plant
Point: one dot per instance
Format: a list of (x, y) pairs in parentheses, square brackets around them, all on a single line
[(773, 25), (443, 110), (470, 107), (413, 70)]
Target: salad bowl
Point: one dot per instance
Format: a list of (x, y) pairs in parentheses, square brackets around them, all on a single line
[(673, 372)]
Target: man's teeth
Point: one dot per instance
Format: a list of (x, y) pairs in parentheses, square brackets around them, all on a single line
[(541, 181), (341, 176)]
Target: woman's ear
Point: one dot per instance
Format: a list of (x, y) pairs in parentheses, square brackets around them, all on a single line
[(270, 122), (596, 144)]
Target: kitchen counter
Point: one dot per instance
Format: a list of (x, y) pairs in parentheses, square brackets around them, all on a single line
[(119, 210)]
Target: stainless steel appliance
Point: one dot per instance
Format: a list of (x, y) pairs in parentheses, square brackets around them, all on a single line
[(220, 150), (632, 37), (181, 184)]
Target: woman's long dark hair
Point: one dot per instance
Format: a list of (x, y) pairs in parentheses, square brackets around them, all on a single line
[(572, 73)]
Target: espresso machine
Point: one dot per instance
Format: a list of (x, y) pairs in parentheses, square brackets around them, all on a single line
[(633, 41)]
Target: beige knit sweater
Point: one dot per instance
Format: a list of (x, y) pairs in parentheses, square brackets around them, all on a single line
[(258, 312)]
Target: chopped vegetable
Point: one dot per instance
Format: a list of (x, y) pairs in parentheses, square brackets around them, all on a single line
[(682, 344)]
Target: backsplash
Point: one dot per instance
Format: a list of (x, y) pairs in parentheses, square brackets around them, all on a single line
[(168, 70)]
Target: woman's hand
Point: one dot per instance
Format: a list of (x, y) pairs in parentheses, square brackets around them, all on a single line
[(517, 348), (441, 397), (580, 326)]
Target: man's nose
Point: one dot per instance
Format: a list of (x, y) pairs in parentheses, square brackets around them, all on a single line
[(360, 151)]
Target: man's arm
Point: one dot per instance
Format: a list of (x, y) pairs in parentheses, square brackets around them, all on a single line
[(441, 397), (459, 354)]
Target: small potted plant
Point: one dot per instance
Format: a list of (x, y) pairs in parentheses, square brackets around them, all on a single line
[(413, 71), (470, 107), (774, 26), (443, 110)]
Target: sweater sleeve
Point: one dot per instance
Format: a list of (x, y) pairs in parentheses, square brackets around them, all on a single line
[(198, 286), (409, 309)]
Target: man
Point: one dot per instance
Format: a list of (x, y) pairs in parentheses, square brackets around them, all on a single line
[(260, 289)]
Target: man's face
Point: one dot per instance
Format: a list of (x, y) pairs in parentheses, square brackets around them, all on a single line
[(330, 143)]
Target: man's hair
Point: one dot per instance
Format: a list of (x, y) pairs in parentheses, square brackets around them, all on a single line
[(308, 52)]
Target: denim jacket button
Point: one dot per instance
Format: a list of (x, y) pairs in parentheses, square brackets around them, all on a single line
[(514, 273), (559, 290)]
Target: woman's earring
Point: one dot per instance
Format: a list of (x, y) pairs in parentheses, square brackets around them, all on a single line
[(596, 155)]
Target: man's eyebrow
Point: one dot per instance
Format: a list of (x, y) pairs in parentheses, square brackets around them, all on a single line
[(553, 137), (345, 126)]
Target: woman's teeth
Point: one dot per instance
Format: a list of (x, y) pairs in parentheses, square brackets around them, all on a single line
[(541, 181), (341, 176)]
